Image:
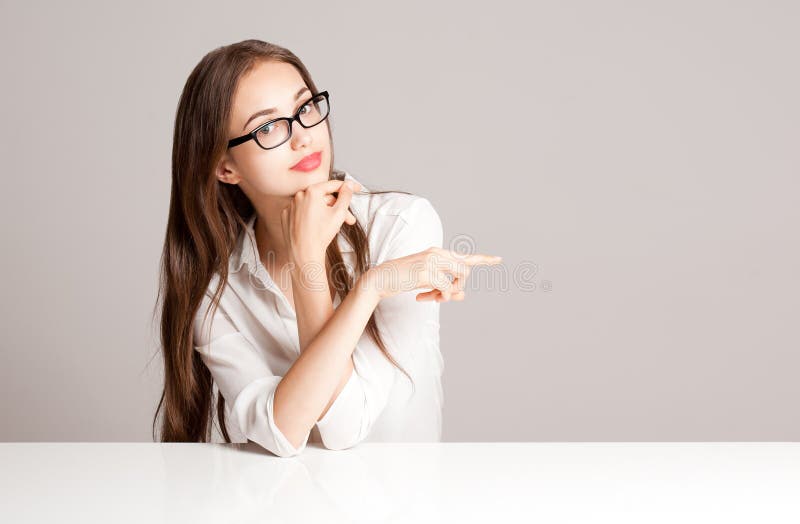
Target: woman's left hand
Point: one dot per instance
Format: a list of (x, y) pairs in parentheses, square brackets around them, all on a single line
[(314, 217)]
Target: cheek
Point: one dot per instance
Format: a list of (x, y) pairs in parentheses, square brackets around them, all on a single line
[(261, 163), (262, 171), (323, 141)]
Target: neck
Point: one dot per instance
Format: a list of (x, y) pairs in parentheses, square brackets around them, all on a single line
[(269, 234)]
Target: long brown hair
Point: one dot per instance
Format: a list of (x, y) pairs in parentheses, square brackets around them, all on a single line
[(205, 219)]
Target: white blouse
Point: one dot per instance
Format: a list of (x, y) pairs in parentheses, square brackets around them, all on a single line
[(253, 340)]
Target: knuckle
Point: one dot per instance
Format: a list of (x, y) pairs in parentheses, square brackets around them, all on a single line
[(434, 253)]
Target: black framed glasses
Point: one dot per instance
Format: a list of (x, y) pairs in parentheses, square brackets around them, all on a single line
[(277, 131)]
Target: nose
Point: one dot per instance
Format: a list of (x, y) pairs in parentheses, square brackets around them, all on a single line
[(300, 135)]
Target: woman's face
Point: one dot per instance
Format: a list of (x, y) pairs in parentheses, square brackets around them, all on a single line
[(263, 173)]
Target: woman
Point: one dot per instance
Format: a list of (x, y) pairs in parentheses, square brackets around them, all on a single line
[(292, 329)]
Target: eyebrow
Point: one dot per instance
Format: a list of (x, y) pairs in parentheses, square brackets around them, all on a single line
[(272, 109)]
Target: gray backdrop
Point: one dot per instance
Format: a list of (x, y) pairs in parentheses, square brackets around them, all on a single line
[(634, 163)]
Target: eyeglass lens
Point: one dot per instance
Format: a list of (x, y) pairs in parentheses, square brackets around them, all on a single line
[(311, 114)]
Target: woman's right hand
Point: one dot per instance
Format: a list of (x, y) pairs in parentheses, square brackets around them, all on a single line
[(432, 268)]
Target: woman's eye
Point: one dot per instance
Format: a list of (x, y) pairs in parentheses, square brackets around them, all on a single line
[(266, 129)]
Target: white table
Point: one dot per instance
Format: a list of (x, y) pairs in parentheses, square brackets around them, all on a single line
[(394, 482)]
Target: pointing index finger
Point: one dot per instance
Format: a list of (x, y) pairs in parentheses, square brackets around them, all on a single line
[(478, 258)]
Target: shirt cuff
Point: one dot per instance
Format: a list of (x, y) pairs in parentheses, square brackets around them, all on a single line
[(341, 424), (285, 448)]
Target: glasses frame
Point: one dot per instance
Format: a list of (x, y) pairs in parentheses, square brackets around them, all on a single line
[(252, 134)]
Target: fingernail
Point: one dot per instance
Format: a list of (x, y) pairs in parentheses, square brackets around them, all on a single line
[(351, 184)]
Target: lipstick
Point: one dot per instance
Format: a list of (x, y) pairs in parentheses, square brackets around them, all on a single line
[(309, 163)]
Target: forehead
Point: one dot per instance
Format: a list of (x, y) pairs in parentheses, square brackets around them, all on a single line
[(267, 84)]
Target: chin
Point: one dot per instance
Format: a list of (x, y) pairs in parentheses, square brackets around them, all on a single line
[(321, 175), (313, 177)]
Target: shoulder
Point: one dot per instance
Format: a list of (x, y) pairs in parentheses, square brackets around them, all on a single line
[(393, 207), (397, 224)]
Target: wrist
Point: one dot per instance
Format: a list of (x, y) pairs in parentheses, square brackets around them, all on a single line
[(306, 258), (308, 274), (371, 285)]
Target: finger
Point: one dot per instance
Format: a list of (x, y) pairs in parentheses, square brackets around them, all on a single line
[(457, 290), (475, 258), (332, 186), (443, 283), (343, 199), (446, 293), (431, 296), (428, 295), (435, 294), (440, 282), (453, 269), (350, 218), (458, 285), (458, 296)]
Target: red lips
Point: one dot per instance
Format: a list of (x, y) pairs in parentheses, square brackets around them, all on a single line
[(309, 162)]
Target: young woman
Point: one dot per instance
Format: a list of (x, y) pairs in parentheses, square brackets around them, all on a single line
[(271, 299)]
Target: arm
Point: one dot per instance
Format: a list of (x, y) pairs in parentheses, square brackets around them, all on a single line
[(314, 306), (307, 387), (243, 375), (410, 328)]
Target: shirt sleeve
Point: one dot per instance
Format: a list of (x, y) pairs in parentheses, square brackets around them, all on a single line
[(408, 327), (243, 377)]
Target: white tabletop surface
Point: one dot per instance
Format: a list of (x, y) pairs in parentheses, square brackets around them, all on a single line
[(399, 482)]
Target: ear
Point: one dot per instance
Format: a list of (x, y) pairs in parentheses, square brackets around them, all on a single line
[(224, 173)]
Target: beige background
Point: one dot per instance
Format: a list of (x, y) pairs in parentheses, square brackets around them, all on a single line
[(635, 162)]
